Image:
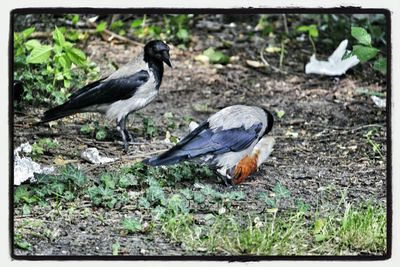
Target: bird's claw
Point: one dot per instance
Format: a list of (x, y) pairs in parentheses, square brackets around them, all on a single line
[(226, 179), (126, 148)]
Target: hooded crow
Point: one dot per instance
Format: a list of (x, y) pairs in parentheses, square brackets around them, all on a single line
[(130, 88), (232, 142)]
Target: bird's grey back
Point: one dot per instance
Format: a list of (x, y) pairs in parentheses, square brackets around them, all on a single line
[(238, 116), (133, 66)]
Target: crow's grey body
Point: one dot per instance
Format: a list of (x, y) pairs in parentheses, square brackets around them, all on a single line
[(143, 95), (222, 140), (129, 89)]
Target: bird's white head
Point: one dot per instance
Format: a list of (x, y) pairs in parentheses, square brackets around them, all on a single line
[(263, 149)]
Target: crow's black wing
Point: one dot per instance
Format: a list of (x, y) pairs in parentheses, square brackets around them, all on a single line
[(205, 141), (100, 92), (107, 91)]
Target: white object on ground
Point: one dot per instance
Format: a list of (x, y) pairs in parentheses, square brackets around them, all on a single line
[(380, 102), (92, 155), (335, 65), (25, 168)]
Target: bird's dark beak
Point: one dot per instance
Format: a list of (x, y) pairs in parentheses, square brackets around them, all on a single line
[(165, 58)]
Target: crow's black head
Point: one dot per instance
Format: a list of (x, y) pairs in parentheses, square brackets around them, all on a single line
[(157, 50), (270, 121)]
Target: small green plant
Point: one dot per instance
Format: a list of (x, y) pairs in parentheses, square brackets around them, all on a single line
[(215, 56), (312, 33), (118, 26), (49, 71), (149, 126), (95, 130), (365, 51), (272, 202), (131, 225), (264, 26), (101, 27), (21, 243), (115, 248), (376, 148), (107, 192), (64, 186), (44, 144), (175, 28)]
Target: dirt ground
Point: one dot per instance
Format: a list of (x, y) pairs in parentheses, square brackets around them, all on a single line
[(320, 143)]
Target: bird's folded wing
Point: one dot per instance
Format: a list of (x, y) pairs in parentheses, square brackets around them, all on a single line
[(205, 141), (221, 141), (107, 90)]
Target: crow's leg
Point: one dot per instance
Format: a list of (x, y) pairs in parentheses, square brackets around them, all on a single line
[(126, 132), (122, 130), (225, 178)]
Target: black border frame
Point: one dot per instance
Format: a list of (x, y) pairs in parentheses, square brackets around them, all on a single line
[(244, 10)]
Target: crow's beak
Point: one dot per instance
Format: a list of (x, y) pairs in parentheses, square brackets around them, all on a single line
[(165, 58)]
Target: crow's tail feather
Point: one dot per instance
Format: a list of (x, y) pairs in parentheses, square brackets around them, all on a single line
[(165, 159), (57, 113)]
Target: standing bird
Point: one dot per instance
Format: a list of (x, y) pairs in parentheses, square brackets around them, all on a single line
[(232, 142), (130, 88)]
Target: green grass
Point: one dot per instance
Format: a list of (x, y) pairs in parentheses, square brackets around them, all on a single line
[(284, 233), (203, 218)]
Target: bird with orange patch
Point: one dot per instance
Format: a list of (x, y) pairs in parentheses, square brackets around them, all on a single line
[(232, 142)]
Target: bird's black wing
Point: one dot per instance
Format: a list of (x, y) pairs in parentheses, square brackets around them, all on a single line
[(107, 91), (205, 141), (100, 92)]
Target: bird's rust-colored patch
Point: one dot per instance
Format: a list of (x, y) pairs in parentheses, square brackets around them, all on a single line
[(245, 167)]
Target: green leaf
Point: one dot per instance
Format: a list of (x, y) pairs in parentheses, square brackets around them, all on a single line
[(115, 248), (320, 237), (21, 192), (318, 225), (381, 65), (87, 129), (77, 56), (311, 30), (132, 225), (23, 244), (39, 54), (280, 191), (58, 36), (75, 19), (27, 32), (63, 62), (117, 25), (101, 26), (31, 44), (67, 83), (364, 53), (270, 202), (361, 35), (280, 113), (136, 23), (216, 57), (143, 202), (101, 134), (182, 34)]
